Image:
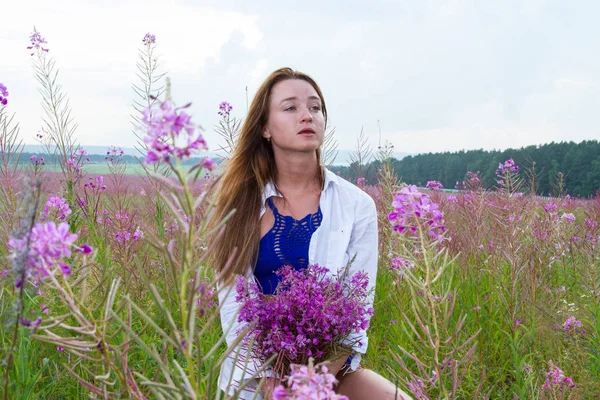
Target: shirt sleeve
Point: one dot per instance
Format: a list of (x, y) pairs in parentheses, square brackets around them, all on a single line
[(239, 365), (363, 247), (229, 310)]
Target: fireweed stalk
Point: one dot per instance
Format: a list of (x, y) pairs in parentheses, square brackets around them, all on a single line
[(310, 314), (59, 126), (517, 275), (171, 136), (38, 255), (123, 224), (101, 334), (439, 352), (228, 128), (99, 330), (148, 89), (10, 153), (19, 263)]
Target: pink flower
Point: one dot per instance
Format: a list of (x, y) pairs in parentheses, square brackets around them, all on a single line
[(507, 167), (37, 41), (149, 39), (568, 217), (412, 210), (399, 264), (224, 109), (555, 378), (309, 311), (170, 133), (208, 163), (3, 95), (43, 248), (306, 382), (59, 204), (572, 322), (434, 185)]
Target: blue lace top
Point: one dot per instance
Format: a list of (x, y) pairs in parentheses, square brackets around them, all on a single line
[(285, 244)]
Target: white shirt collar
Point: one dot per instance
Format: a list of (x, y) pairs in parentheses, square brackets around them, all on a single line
[(330, 178)]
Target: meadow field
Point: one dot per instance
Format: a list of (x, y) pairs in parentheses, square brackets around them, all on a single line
[(516, 297), (105, 291)]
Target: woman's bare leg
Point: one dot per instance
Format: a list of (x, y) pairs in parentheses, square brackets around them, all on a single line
[(364, 384)]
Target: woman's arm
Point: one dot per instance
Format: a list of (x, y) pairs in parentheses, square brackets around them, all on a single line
[(363, 247)]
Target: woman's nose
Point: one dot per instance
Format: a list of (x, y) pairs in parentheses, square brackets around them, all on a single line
[(306, 115)]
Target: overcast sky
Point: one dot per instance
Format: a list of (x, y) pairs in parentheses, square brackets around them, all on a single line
[(438, 75)]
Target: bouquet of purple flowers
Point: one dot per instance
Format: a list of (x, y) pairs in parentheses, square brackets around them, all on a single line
[(310, 315)]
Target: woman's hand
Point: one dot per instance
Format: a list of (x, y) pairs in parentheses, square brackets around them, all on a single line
[(269, 385), (337, 361)]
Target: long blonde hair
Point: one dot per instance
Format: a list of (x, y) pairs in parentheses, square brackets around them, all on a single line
[(251, 167)]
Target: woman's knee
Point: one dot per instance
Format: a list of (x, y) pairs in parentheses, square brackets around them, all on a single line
[(366, 384)]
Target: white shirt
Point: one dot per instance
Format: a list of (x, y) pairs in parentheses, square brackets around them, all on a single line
[(348, 229)]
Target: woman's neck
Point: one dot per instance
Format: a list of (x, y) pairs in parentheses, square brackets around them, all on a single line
[(297, 172)]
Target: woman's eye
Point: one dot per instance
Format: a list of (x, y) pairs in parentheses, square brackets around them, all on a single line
[(290, 108), (316, 108)]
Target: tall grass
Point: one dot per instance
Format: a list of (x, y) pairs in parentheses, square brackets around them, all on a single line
[(483, 313)]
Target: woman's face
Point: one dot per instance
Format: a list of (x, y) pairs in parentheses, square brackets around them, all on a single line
[(296, 121)]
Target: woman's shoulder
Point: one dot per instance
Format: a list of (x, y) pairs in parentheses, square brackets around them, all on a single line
[(347, 189)]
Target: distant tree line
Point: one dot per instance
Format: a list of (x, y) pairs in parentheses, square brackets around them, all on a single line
[(98, 159), (554, 168)]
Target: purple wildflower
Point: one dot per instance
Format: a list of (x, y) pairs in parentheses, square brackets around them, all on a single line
[(573, 323), (550, 208), (452, 199), (138, 234), (208, 164), (306, 382), (113, 153), (568, 217), (149, 39), (413, 209), (59, 204), (556, 379), (96, 185), (26, 322), (473, 178), (122, 236), (43, 248), (224, 109), (400, 264), (37, 41), (84, 249), (590, 223), (417, 387), (434, 185), (308, 312), (508, 166), (3, 94), (165, 127)]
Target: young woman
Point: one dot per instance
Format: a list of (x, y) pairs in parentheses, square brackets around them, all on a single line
[(290, 210)]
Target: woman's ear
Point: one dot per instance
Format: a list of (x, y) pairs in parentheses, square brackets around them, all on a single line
[(266, 134)]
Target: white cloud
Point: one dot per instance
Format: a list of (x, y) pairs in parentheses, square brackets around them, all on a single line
[(439, 75), (95, 48)]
